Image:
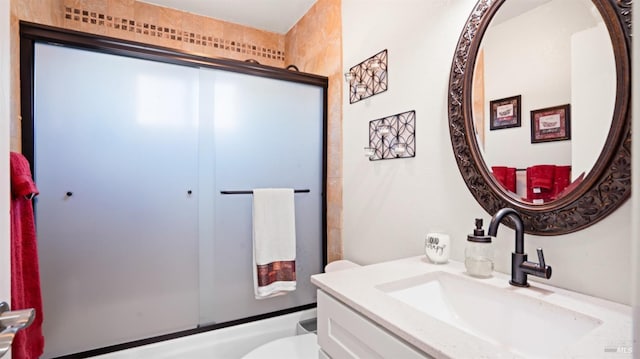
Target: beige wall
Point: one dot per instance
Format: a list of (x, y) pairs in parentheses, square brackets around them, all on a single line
[(315, 46)]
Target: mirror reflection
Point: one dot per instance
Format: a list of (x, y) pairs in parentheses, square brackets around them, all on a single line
[(544, 92)]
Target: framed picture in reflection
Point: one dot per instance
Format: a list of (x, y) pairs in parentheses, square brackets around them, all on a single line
[(505, 113), (551, 124)]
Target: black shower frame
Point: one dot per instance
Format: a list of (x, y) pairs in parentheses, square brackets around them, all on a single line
[(32, 33)]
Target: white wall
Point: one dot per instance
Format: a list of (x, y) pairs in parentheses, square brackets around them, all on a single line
[(593, 96), (390, 205), (5, 39)]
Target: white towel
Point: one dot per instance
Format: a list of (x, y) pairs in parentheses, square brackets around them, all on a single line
[(274, 242)]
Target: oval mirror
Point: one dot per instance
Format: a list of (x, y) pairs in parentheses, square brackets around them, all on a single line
[(539, 109)]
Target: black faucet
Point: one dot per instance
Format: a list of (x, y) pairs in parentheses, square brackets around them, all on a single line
[(520, 267)]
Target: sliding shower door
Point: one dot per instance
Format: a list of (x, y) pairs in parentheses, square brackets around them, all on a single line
[(131, 156), (266, 133), (116, 143)]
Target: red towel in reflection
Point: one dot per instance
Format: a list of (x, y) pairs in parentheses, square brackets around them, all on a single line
[(561, 179), (506, 176), (542, 176), (540, 183), (25, 274)]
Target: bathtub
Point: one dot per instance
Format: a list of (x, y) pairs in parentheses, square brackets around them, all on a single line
[(227, 343)]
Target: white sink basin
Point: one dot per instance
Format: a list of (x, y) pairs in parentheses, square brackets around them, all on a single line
[(515, 322)]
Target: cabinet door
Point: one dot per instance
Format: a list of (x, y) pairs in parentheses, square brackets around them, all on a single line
[(115, 159), (344, 333), (267, 133)]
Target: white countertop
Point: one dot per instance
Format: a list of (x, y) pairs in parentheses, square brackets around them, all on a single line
[(356, 287)]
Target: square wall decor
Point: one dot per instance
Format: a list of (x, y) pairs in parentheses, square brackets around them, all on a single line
[(368, 78), (393, 136)]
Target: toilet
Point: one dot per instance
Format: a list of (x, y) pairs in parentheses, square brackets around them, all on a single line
[(305, 344), (299, 346)]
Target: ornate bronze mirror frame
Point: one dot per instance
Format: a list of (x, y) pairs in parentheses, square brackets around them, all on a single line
[(606, 186)]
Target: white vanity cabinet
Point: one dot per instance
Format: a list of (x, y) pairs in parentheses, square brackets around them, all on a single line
[(384, 310), (343, 333)]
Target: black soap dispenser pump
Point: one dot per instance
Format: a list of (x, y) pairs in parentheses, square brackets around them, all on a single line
[(478, 255)]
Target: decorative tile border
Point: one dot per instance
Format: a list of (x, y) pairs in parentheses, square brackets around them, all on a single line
[(169, 33)]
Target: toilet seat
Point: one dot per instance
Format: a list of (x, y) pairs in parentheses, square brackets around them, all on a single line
[(303, 346)]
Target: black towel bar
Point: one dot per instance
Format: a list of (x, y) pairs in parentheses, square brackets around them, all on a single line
[(251, 192)]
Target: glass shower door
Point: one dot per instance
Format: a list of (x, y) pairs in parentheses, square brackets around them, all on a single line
[(266, 133), (135, 237), (116, 165)]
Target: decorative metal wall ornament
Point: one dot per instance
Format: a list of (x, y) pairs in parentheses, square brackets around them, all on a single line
[(393, 137), (368, 78)]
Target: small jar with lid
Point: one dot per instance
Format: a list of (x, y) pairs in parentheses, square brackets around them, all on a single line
[(478, 254)]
